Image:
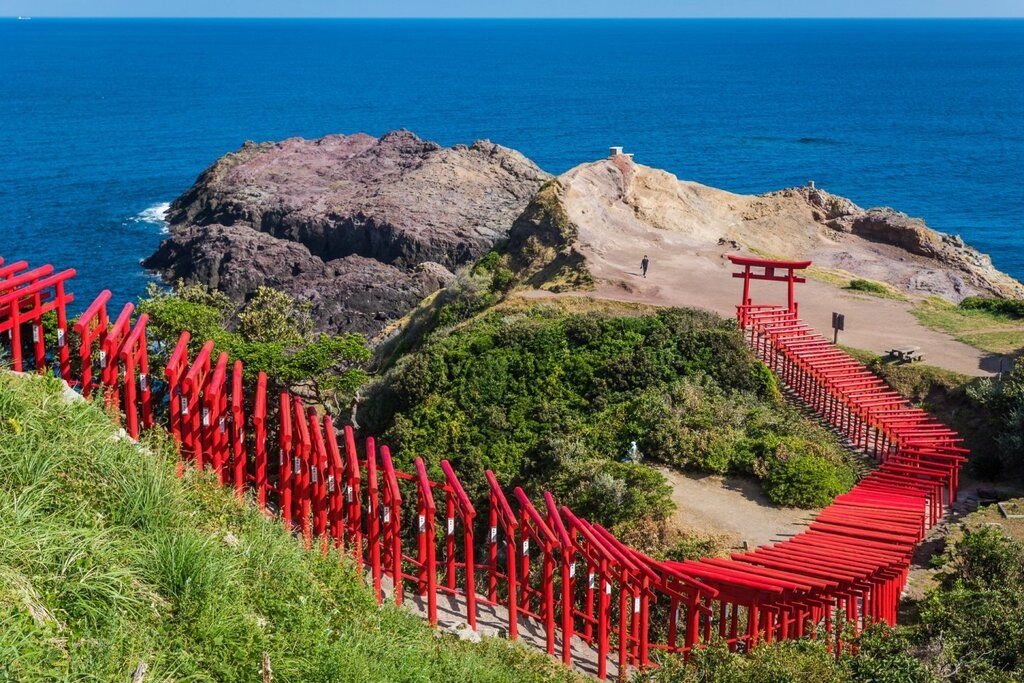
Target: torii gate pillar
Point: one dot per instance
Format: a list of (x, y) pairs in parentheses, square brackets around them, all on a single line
[(765, 269)]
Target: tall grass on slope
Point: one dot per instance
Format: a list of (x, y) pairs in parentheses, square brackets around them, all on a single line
[(108, 560)]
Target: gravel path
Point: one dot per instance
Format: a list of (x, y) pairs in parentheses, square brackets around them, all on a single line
[(733, 507)]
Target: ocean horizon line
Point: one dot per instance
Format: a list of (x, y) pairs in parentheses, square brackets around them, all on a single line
[(513, 19)]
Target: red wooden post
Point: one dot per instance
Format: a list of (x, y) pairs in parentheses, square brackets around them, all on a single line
[(392, 520), (214, 432), (373, 539), (318, 478), (547, 541), (353, 497), (568, 554), (92, 324), (110, 351), (192, 386), (300, 468), (467, 514), (134, 357), (259, 424), (284, 472), (603, 604), (502, 513), (449, 539), (239, 458), (176, 367), (428, 548), (335, 485), (38, 338), (63, 353)]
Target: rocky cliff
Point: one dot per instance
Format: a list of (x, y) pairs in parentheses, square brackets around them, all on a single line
[(362, 227), (602, 215), (366, 227)]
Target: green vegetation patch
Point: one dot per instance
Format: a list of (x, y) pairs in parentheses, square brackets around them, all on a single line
[(108, 560), (551, 398), (271, 332), (972, 625), (874, 288), (982, 323), (1012, 309)]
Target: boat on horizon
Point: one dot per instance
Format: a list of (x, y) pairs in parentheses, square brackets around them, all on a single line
[(24, 18)]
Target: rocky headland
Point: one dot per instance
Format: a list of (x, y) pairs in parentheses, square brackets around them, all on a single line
[(362, 227), (598, 211)]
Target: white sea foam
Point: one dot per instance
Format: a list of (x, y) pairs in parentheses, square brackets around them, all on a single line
[(155, 215)]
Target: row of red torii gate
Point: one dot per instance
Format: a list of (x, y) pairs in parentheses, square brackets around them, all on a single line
[(524, 563)]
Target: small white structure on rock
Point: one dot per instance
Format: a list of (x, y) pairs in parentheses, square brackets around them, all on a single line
[(616, 151)]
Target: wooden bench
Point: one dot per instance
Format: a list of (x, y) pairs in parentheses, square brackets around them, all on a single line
[(907, 354)]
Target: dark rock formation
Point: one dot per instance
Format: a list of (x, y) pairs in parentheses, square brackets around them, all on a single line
[(362, 227), (542, 244)]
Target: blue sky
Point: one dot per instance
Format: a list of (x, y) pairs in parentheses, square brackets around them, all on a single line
[(514, 8)]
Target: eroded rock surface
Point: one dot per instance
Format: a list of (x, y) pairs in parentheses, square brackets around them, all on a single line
[(602, 211), (362, 227)]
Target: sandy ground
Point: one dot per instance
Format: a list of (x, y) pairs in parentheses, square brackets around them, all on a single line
[(623, 212), (682, 275), (732, 506)]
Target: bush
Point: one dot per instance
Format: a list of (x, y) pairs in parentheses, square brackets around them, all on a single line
[(548, 398), (1007, 308), (886, 655), (272, 332), (974, 621), (1001, 402), (805, 480), (871, 287)]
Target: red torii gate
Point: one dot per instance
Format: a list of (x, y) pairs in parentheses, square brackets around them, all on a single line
[(845, 570), (767, 272)]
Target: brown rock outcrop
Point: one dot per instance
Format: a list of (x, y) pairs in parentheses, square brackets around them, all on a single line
[(362, 227), (615, 207)]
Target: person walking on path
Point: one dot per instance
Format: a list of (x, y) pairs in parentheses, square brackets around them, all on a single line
[(643, 265)]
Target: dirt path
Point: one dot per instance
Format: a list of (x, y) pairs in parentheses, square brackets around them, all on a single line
[(683, 275), (733, 507)]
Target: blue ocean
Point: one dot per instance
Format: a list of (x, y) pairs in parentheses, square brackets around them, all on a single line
[(102, 122)]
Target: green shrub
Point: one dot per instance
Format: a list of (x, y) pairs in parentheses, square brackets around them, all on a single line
[(1000, 402), (805, 480), (887, 655), (1007, 308), (871, 287), (271, 332), (884, 655), (975, 619), (548, 398)]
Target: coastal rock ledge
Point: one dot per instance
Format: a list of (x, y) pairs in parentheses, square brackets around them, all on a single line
[(361, 227)]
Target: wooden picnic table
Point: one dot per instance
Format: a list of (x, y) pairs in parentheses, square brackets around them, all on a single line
[(906, 354)]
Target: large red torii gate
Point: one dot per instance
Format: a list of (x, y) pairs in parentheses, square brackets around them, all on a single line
[(767, 268)]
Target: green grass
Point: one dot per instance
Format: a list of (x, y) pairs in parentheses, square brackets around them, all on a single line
[(844, 279), (874, 288), (108, 560), (981, 328), (1011, 309)]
